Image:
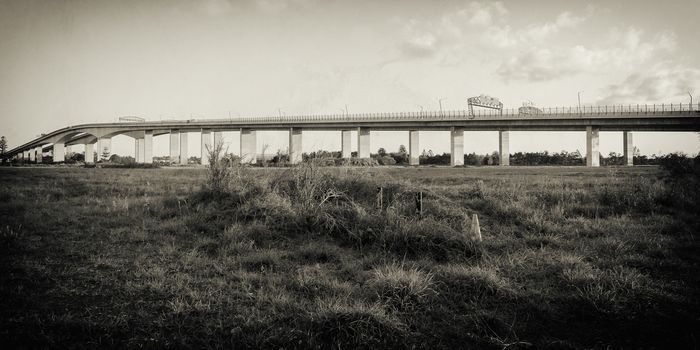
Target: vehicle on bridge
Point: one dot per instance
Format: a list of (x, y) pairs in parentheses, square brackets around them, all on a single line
[(529, 108)]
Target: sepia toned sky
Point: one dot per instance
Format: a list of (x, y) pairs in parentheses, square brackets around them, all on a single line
[(70, 62)]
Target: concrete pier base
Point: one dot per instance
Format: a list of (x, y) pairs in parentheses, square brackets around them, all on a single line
[(32, 155), (39, 154), (174, 146), (628, 148), (295, 141), (592, 151), (456, 146), (363, 135), (206, 146), (346, 143), (504, 147), (89, 153), (413, 148), (248, 146), (148, 147), (184, 157), (59, 152)]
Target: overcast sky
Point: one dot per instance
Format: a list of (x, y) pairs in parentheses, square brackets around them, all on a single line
[(70, 62)]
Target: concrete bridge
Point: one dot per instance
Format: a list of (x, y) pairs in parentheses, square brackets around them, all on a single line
[(591, 120)]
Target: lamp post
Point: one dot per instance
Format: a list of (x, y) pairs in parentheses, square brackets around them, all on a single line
[(579, 102), (440, 102)]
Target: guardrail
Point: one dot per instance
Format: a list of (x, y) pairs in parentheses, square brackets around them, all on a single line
[(612, 111)]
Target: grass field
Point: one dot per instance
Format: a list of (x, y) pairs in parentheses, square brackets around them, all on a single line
[(571, 258)]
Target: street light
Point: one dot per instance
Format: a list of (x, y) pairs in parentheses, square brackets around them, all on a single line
[(579, 102), (440, 102), (421, 110), (691, 99)]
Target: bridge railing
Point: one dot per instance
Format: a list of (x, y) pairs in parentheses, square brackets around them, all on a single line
[(609, 111)]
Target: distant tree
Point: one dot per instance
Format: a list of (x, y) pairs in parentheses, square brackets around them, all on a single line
[(381, 152), (3, 145), (402, 149), (3, 148)]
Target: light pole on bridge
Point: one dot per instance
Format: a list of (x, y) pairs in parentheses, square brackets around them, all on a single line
[(579, 102), (440, 102)]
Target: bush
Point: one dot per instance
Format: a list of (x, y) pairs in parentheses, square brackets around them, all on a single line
[(401, 287)]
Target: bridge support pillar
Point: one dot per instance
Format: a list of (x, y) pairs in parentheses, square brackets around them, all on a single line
[(218, 137), (139, 148), (59, 152), (592, 152), (363, 142), (456, 146), (346, 144), (295, 141), (628, 148), (206, 146), (413, 148), (39, 154), (504, 147), (174, 146), (32, 155), (248, 146), (148, 146), (89, 153), (104, 148), (183, 148)]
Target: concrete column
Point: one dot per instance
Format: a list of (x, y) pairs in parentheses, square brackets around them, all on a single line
[(504, 147), (148, 146), (206, 144), (295, 140), (628, 148), (346, 148), (104, 145), (218, 137), (89, 153), (248, 146), (59, 152), (456, 146), (363, 142), (174, 146), (32, 155), (183, 148), (592, 153), (413, 148), (139, 148), (39, 154)]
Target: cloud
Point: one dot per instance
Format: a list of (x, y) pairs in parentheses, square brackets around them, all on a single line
[(276, 6), (662, 83), (477, 25), (624, 50)]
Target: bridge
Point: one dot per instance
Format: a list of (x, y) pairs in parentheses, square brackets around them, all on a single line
[(588, 119)]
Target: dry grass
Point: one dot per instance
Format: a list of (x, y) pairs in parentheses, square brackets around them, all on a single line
[(303, 258)]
